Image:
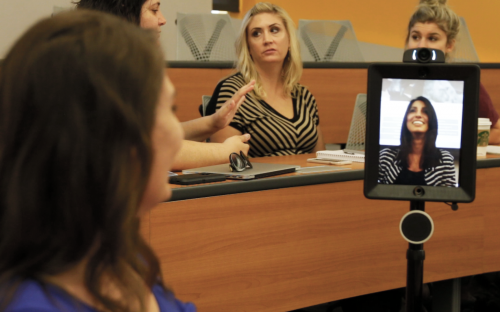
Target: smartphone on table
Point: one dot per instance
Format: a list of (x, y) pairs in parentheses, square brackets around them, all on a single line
[(196, 178), (335, 162)]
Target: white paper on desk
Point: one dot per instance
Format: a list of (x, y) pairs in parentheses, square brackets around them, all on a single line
[(493, 149), (340, 155)]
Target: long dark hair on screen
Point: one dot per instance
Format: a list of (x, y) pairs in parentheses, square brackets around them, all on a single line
[(78, 94), (431, 155), (128, 9)]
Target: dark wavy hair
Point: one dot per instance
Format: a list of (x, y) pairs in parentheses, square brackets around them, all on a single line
[(431, 155), (128, 9), (78, 94)]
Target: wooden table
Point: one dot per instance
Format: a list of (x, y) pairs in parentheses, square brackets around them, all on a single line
[(315, 240)]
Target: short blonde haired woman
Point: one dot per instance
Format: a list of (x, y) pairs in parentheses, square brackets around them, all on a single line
[(434, 25), (280, 114)]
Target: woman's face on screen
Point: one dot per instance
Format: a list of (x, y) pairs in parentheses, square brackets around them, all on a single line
[(429, 35), (417, 120), (267, 38)]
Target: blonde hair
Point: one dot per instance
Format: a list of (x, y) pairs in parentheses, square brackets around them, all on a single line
[(292, 65), (436, 11)]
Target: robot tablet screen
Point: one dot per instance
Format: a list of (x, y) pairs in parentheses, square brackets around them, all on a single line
[(421, 132)]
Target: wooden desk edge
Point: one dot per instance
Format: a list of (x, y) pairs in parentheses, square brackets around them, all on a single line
[(291, 180)]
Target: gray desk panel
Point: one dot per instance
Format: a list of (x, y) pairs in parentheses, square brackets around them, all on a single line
[(226, 65), (488, 163), (226, 188)]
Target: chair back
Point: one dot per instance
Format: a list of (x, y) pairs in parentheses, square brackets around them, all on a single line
[(205, 37), (205, 99), (328, 41), (357, 132), (464, 51)]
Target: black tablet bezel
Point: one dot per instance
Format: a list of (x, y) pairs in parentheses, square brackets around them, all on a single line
[(466, 190)]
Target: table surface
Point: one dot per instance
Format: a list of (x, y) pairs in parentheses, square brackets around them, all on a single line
[(310, 239), (337, 174)]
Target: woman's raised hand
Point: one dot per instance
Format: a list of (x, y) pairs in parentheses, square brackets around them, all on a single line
[(225, 114)]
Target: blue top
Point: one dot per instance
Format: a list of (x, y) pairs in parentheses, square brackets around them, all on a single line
[(35, 297)]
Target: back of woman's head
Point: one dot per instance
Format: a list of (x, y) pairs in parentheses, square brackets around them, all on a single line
[(436, 11), (292, 66), (128, 9), (78, 94)]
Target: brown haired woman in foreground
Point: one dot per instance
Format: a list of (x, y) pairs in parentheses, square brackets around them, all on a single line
[(87, 137), (434, 25), (147, 14), (280, 114)]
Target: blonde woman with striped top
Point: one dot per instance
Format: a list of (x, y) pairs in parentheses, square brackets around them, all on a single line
[(280, 114)]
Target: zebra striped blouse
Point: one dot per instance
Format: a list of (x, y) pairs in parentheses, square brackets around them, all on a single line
[(272, 133), (442, 175)]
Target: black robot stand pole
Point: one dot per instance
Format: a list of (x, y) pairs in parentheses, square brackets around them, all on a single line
[(415, 256)]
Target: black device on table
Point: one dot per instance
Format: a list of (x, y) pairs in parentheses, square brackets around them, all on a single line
[(453, 91), (196, 178)]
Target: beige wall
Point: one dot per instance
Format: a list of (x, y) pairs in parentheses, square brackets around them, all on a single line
[(16, 16), (384, 22), (380, 22)]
